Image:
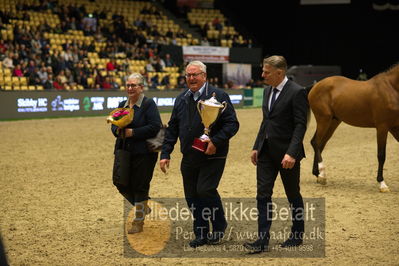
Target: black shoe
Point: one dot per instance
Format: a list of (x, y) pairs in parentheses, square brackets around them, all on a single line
[(199, 241), (292, 242), (257, 247), (216, 237)]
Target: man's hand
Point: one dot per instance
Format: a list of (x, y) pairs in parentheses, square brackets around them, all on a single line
[(288, 162), (211, 149), (254, 157), (164, 164)]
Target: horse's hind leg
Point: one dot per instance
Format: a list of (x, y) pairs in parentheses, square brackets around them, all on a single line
[(324, 131), (381, 142), (334, 123), (381, 151), (317, 155)]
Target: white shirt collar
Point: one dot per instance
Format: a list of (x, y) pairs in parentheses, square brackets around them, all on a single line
[(199, 92), (282, 84), (138, 103)]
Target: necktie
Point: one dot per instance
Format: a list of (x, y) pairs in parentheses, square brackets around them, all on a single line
[(191, 106), (275, 90)]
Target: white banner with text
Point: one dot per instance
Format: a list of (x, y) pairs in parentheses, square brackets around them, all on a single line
[(206, 54)]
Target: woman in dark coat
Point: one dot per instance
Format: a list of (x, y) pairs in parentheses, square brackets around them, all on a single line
[(145, 124)]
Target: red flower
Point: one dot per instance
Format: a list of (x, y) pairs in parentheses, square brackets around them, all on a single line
[(119, 114)]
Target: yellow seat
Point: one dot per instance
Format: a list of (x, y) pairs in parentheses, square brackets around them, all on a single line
[(173, 81), (23, 81), (4, 34), (90, 82), (31, 88), (15, 80), (93, 61), (7, 72), (223, 42), (7, 80)]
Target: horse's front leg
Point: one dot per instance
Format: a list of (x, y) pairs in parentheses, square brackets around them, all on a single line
[(381, 151)]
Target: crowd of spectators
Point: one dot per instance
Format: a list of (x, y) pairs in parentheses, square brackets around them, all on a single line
[(216, 29), (217, 26), (30, 54)]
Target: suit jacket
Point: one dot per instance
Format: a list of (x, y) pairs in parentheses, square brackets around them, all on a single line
[(186, 128), (284, 125)]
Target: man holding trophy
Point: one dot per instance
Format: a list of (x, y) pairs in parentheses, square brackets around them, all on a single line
[(203, 119)]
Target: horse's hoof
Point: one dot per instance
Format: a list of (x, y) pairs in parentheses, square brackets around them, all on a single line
[(385, 189), (322, 180)]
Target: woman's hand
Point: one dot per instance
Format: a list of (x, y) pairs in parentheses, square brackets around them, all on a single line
[(129, 132)]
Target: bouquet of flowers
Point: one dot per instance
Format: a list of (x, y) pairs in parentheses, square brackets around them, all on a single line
[(121, 117)]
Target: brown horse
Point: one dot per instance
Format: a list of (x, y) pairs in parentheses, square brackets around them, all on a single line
[(371, 103)]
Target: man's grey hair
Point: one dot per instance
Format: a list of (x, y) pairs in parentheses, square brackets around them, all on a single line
[(276, 61), (201, 65)]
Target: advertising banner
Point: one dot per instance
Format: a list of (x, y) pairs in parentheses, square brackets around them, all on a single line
[(42, 104), (258, 97), (248, 97), (206, 54)]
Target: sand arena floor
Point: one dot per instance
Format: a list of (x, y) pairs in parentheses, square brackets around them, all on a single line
[(59, 207)]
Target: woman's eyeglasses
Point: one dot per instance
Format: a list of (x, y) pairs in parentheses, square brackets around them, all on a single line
[(133, 85)]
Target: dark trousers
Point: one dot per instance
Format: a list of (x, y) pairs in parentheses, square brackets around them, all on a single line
[(268, 167), (201, 178), (142, 169)]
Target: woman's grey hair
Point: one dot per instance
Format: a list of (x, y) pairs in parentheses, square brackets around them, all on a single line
[(276, 61), (199, 64), (137, 76)]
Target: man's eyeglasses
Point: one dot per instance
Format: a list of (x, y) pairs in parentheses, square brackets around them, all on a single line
[(133, 85), (193, 75)]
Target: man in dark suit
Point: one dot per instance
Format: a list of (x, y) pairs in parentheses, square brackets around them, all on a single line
[(278, 149), (201, 171)]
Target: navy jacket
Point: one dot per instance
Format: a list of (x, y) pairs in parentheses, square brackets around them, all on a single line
[(146, 124), (180, 126), (285, 124)]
